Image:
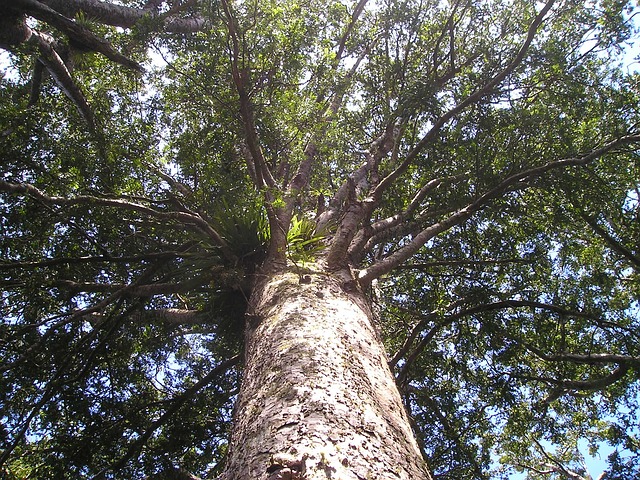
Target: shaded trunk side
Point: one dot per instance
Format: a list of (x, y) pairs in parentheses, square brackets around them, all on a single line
[(318, 400)]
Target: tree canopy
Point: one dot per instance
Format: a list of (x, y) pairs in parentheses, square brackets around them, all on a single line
[(475, 163)]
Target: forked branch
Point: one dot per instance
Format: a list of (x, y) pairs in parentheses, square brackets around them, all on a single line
[(517, 181), (480, 93)]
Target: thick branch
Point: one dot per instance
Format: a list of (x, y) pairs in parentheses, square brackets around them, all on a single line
[(169, 316), (36, 82), (347, 228), (591, 358), (357, 246), (354, 211), (517, 181), (75, 31), (119, 15), (585, 385), (60, 73)]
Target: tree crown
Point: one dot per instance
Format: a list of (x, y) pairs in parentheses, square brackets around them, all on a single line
[(474, 165)]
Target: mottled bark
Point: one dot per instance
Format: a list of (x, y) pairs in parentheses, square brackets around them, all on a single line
[(318, 400), (110, 13)]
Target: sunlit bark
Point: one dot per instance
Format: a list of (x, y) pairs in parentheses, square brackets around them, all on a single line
[(318, 399)]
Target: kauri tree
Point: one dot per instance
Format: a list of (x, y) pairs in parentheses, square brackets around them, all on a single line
[(391, 239)]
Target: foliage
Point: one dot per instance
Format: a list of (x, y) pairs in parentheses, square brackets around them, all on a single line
[(303, 242), (475, 163)]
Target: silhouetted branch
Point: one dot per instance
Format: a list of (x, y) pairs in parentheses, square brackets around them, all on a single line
[(54, 262), (506, 304), (184, 218), (176, 404)]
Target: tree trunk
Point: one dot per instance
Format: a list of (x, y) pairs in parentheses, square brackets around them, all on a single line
[(318, 400)]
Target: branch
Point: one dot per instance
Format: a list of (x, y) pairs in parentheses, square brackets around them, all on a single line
[(60, 73), (54, 262), (347, 228), (518, 181), (358, 177), (119, 15), (171, 474), (303, 174), (143, 290), (449, 319), (172, 182), (75, 31), (188, 218), (589, 358), (354, 18), (60, 376), (555, 466), (279, 218), (408, 228), (240, 75), (357, 246), (69, 317), (378, 149), (170, 316), (417, 329), (36, 82), (565, 386), (570, 474), (354, 211), (454, 433), (485, 90), (404, 371), (612, 242), (301, 178), (464, 263), (176, 404), (21, 432), (624, 362)]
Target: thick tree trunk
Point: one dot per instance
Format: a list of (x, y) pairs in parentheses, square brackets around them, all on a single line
[(318, 400)]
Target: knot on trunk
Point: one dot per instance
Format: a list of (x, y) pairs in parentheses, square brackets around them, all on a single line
[(286, 467)]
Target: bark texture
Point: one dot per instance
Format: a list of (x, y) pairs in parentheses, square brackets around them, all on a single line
[(111, 13), (318, 400)]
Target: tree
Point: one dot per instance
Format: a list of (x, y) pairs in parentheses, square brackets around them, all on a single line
[(318, 239)]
